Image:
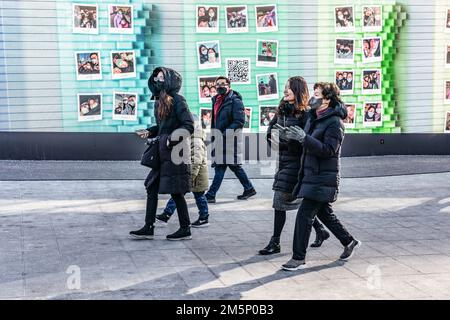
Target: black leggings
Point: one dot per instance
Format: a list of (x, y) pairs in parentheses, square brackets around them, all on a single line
[(152, 206), (280, 219)]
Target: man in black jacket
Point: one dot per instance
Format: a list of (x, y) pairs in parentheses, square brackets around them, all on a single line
[(227, 117), (319, 176)]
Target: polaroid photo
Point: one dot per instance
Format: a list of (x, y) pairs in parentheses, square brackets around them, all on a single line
[(238, 70), (90, 106), (371, 81), (344, 19), (350, 121), (265, 115), (447, 92), (85, 18), (372, 19), (248, 120), (447, 122), (208, 54), (206, 118), (372, 50), (121, 19), (344, 51), (88, 64), (267, 86), (206, 88), (125, 106), (267, 53), (447, 21), (344, 81), (123, 64), (237, 19), (373, 114), (266, 18), (447, 57), (207, 19)]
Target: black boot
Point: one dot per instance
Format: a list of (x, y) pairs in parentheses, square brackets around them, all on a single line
[(146, 232), (180, 234), (321, 236), (272, 247)]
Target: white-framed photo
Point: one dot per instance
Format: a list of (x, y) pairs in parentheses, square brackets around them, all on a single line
[(344, 19), (447, 57), (372, 50), (350, 121), (267, 86), (236, 19), (371, 81), (344, 51), (208, 55), (447, 20), (447, 91), (121, 18), (123, 64), (206, 88), (372, 19), (85, 18), (267, 53), (265, 115), (125, 106), (344, 81), (266, 18), (373, 114), (238, 70), (207, 19), (88, 65), (89, 106), (206, 118), (248, 120), (447, 122)]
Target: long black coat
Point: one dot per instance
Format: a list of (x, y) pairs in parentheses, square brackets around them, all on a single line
[(174, 178), (320, 165), (230, 116), (290, 152)]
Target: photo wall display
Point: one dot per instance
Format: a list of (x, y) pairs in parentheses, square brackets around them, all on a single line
[(371, 20)]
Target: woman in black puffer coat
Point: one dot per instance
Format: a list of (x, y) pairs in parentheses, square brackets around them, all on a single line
[(173, 120), (291, 112)]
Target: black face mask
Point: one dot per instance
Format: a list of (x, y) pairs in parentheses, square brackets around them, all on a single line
[(159, 86), (315, 103), (222, 90)]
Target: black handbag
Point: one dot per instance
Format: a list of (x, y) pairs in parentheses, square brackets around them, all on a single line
[(150, 157)]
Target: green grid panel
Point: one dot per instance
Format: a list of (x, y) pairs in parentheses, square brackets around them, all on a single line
[(393, 19), (240, 45), (105, 43)]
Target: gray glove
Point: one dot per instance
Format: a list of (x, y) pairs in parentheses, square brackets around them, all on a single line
[(281, 132), (296, 133)]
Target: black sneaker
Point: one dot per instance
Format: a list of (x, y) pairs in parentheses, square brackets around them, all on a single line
[(145, 233), (247, 194), (162, 218), (321, 236), (210, 199), (180, 234), (200, 223), (272, 247), (293, 265), (350, 250)]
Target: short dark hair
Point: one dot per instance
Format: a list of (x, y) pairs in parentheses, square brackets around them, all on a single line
[(223, 78), (330, 91)]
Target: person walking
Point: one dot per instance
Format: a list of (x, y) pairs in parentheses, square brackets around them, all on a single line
[(319, 174), (199, 179), (227, 116), (290, 112), (173, 118)]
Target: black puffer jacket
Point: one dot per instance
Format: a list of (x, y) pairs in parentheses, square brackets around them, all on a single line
[(174, 178), (230, 116), (290, 152), (320, 165)]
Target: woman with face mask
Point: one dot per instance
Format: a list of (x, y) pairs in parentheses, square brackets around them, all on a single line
[(174, 125), (290, 112), (203, 54), (319, 174), (212, 55)]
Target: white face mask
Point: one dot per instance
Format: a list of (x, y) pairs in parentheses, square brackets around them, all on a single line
[(370, 114), (212, 55), (204, 52)]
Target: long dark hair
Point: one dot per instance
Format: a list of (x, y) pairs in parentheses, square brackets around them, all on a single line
[(299, 87), (165, 104)]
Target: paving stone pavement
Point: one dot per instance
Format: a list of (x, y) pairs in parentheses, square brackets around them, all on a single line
[(50, 229)]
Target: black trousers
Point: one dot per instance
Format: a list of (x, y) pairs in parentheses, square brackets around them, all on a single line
[(152, 206), (304, 221)]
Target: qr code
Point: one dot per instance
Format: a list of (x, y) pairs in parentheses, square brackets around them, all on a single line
[(238, 70)]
